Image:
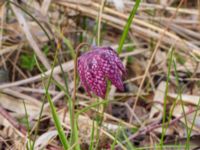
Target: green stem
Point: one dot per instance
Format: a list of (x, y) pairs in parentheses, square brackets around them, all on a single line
[(165, 100), (127, 26)]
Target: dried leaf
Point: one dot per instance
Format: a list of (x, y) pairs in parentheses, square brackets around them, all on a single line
[(157, 107), (44, 139)]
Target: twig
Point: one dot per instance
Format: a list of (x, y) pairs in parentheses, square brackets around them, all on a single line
[(13, 122), (156, 125), (45, 6), (25, 28), (153, 55), (66, 67), (140, 27)]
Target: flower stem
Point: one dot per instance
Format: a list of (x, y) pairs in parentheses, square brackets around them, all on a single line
[(74, 135), (102, 109)]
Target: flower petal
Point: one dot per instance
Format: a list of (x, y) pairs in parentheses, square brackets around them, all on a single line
[(95, 77), (98, 65), (81, 71), (112, 72)]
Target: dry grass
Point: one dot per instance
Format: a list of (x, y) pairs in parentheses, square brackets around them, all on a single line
[(158, 29)]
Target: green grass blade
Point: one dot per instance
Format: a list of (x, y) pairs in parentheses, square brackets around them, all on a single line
[(165, 100), (92, 137), (75, 132), (127, 26), (73, 124), (190, 131), (53, 110), (38, 121), (115, 140), (56, 119), (98, 39), (57, 123), (67, 43), (30, 145), (129, 144), (180, 96)]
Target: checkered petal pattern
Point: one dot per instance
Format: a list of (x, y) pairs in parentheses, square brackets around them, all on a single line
[(97, 66)]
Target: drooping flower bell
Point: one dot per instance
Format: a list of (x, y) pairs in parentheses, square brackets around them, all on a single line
[(97, 66)]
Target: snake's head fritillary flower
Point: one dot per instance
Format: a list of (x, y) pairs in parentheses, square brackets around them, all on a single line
[(97, 66)]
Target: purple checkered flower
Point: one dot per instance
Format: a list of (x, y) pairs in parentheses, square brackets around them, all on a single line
[(97, 66)]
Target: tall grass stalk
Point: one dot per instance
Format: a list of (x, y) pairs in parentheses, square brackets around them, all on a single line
[(38, 121), (127, 26), (99, 22), (60, 130), (29, 144), (92, 136), (55, 116), (188, 130), (57, 122), (165, 100), (74, 141)]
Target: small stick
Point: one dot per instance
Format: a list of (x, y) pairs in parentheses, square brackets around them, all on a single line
[(13, 121), (155, 125), (153, 55)]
